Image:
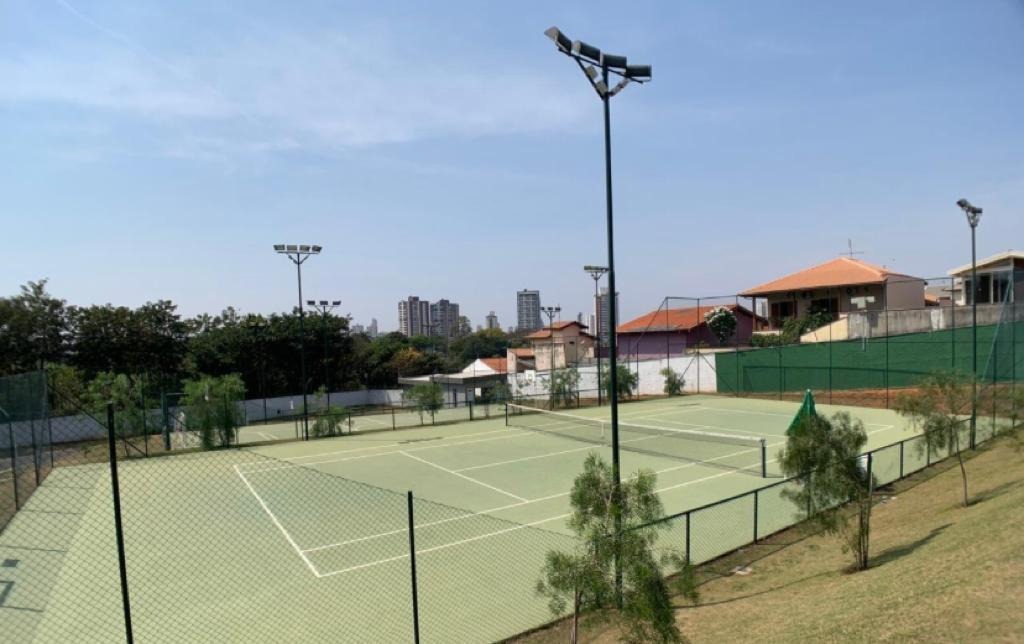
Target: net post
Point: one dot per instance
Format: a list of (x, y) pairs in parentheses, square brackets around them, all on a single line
[(506, 414), (412, 570), (118, 528)]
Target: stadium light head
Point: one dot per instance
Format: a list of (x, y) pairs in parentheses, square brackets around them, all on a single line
[(336, 303), (323, 303), (304, 248), (279, 248), (638, 72), (580, 48), (310, 302), (292, 248), (561, 40), (972, 212), (317, 249), (611, 60), (591, 71)]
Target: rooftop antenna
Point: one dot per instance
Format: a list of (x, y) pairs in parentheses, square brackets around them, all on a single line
[(850, 251)]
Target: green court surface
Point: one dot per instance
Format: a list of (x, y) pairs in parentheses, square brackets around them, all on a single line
[(308, 541)]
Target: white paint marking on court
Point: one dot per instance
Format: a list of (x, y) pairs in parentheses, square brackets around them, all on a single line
[(515, 433), (363, 449), (463, 476), (268, 436), (769, 413), (280, 527)]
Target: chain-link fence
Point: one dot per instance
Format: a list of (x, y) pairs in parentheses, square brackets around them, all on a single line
[(103, 539)]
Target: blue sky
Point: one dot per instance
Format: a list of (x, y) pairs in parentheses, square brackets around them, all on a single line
[(158, 149)]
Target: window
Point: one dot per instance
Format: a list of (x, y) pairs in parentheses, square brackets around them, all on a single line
[(782, 310), (825, 305), (1001, 285)]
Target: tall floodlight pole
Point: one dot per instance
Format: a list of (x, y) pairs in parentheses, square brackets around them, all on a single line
[(586, 56), (597, 272), (551, 312), (325, 308), (299, 254), (973, 214)]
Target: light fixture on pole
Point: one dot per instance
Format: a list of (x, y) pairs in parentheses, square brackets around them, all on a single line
[(586, 56), (597, 272), (298, 254), (324, 308), (973, 214)]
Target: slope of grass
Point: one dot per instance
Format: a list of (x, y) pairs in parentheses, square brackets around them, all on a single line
[(939, 572)]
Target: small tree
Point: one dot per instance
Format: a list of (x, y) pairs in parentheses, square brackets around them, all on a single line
[(627, 381), (940, 408), (427, 397), (825, 457), (330, 422), (673, 382), (213, 412), (562, 387), (585, 580), (125, 393), (722, 322)]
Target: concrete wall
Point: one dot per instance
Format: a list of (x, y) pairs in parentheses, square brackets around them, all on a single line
[(904, 294), (698, 375), (874, 324), (287, 405)]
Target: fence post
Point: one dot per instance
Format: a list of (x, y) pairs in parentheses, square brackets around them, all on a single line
[(871, 459), (689, 559), (755, 515), (35, 449), (118, 529), (392, 417), (764, 458), (902, 443), (412, 571), (14, 459)]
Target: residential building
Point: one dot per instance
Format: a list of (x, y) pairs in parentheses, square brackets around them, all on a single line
[(520, 359), (444, 319), (1000, 279), (672, 331), (528, 310), (372, 330), (601, 315), (840, 286), (561, 344), (476, 381), (492, 321), (414, 316)]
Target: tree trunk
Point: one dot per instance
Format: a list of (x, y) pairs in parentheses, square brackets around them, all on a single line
[(573, 637), (963, 470)]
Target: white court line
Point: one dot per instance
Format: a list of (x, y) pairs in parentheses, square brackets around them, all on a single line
[(363, 449), (280, 527), (768, 413), (518, 527), (509, 433), (463, 476), (268, 436)]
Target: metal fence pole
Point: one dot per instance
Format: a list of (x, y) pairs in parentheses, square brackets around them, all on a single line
[(902, 443), (412, 572), (35, 449), (14, 459), (118, 528), (755, 514), (689, 559)]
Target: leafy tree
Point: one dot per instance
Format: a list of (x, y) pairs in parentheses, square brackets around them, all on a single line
[(426, 397), (212, 409), (330, 422), (563, 386), (68, 385), (940, 407), (627, 380), (825, 456), (722, 322), (673, 382), (584, 580), (33, 329), (124, 393)]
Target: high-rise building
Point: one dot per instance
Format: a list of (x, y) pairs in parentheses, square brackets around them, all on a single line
[(528, 310), (601, 312), (444, 319), (372, 329), (414, 316), (492, 321), (591, 324)]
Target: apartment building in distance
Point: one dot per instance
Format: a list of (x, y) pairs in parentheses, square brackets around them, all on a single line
[(528, 310)]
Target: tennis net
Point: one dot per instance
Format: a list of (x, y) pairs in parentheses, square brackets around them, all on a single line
[(730, 451)]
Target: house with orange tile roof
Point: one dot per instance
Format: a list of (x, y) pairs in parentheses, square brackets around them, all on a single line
[(670, 331), (839, 286), (520, 359), (562, 344)]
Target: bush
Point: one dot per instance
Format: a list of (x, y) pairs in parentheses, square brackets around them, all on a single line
[(212, 409), (673, 382), (722, 322), (426, 397), (627, 381), (330, 422)]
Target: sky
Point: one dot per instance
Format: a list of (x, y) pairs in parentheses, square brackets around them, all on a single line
[(157, 150)]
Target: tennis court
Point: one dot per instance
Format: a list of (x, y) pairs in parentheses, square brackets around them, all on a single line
[(315, 533)]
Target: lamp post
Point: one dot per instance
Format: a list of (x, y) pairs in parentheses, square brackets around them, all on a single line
[(973, 214), (298, 254), (325, 308), (258, 325), (586, 56), (551, 312), (597, 272)]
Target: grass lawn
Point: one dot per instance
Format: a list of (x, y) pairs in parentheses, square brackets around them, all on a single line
[(940, 572)]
